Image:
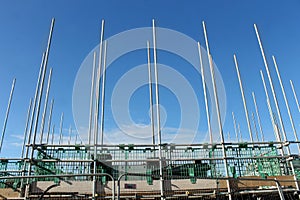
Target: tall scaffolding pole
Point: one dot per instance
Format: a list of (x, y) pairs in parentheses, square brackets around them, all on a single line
[(34, 107), (103, 94), (45, 107), (92, 99), (217, 109), (40, 96), (277, 107), (286, 102), (205, 94), (52, 139), (243, 97), (255, 127), (7, 112), (49, 120), (61, 129), (277, 134), (258, 118), (295, 95), (96, 113), (26, 127), (150, 93), (235, 127), (272, 87), (158, 112)]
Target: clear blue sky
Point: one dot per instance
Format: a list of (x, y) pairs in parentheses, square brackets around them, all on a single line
[(24, 29)]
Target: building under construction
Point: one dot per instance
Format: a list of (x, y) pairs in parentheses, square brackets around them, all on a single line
[(213, 170)]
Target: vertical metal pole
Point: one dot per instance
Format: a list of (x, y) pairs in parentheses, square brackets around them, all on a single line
[(272, 87), (41, 93), (258, 118), (217, 109), (76, 138), (103, 94), (92, 99), (49, 120), (240, 133), (34, 105), (277, 135), (70, 133), (150, 93), (276, 104), (295, 95), (255, 127), (45, 107), (52, 139), (243, 97), (280, 192), (235, 128), (158, 112), (205, 95), (26, 127), (7, 112), (60, 129), (96, 113), (286, 103), (32, 121)]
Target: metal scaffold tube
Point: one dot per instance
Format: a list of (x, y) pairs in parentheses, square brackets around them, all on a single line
[(205, 94), (272, 86), (92, 99), (7, 112), (295, 95), (150, 93), (276, 105), (286, 103), (235, 127), (258, 118), (243, 97), (217, 109), (103, 94), (49, 120), (26, 127), (45, 107), (60, 141), (97, 102), (277, 134), (158, 112)]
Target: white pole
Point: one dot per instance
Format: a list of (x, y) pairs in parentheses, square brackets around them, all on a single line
[(103, 94), (34, 105), (45, 107), (158, 112), (217, 109), (258, 118), (235, 128), (240, 133), (60, 129), (295, 95), (96, 113), (70, 134), (92, 100), (26, 127), (7, 112), (49, 120), (205, 95), (286, 102), (276, 130), (255, 127), (52, 139), (272, 87), (243, 97), (150, 93)]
